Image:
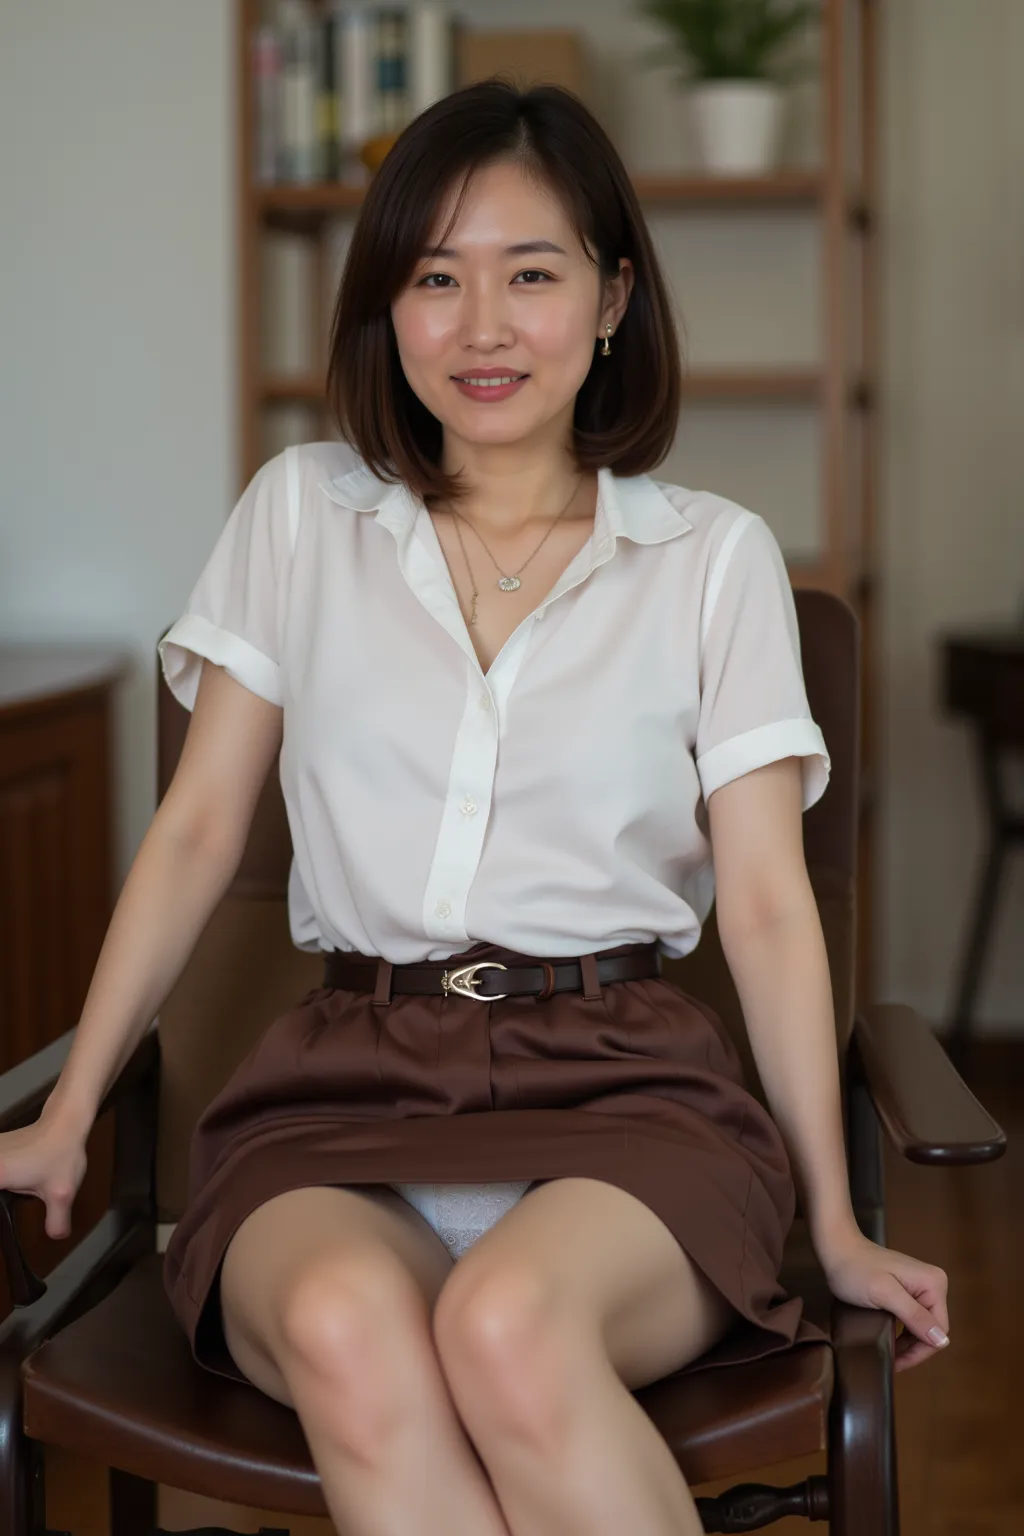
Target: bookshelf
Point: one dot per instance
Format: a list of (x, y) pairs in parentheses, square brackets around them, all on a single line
[(840, 390)]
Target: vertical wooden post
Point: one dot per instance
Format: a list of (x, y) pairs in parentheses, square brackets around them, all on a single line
[(247, 18), (868, 543)]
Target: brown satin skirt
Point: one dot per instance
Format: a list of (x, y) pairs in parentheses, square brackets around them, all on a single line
[(641, 1087)]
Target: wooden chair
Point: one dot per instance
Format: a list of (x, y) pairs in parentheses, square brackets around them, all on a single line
[(93, 1359)]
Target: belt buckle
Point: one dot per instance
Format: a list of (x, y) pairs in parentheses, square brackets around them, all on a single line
[(462, 981)]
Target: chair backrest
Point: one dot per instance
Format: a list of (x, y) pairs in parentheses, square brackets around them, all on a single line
[(245, 971)]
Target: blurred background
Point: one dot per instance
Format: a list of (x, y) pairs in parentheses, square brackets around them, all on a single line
[(841, 220)]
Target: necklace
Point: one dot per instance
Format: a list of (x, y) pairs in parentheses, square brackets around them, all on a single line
[(506, 582)]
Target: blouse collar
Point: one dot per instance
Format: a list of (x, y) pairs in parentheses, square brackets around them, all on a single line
[(628, 506)]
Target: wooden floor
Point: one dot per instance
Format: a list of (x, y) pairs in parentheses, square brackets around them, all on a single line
[(961, 1468)]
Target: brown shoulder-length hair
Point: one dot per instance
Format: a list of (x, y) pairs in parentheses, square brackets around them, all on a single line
[(627, 409)]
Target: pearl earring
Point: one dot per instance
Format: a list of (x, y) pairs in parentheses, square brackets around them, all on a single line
[(606, 348)]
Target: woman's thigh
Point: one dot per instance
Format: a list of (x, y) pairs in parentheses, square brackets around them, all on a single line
[(289, 1237), (612, 1272)]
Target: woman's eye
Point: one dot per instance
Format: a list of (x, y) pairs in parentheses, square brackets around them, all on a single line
[(530, 272)]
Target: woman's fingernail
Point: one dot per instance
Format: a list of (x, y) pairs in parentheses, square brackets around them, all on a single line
[(937, 1336)]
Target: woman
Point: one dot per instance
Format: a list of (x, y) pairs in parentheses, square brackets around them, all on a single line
[(520, 690)]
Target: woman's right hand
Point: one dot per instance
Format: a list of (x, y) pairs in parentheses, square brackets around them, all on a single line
[(47, 1159)]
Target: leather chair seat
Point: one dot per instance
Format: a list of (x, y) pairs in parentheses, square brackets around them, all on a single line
[(120, 1383)]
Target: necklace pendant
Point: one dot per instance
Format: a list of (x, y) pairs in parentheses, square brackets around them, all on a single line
[(509, 583)]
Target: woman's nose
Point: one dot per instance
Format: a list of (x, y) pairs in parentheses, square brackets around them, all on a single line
[(485, 318)]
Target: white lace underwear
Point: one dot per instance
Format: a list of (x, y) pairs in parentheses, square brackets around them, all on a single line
[(460, 1213)]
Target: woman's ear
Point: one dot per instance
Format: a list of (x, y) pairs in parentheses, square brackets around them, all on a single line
[(617, 291)]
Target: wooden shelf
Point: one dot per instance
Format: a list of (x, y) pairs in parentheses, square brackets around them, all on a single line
[(305, 207), (800, 187), (764, 384), (288, 389), (786, 385)]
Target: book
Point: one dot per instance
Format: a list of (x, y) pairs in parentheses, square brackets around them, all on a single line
[(327, 82)]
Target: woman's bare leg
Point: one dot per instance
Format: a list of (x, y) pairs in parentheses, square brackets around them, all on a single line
[(327, 1294), (575, 1298)]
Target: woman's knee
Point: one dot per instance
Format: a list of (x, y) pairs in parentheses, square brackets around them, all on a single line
[(341, 1311), (507, 1349), (354, 1332)]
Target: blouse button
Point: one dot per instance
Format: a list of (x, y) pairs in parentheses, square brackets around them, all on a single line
[(444, 909), (469, 806), (484, 701)]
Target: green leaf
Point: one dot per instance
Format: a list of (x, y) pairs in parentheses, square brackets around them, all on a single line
[(731, 39)]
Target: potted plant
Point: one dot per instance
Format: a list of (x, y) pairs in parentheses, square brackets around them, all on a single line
[(729, 53)]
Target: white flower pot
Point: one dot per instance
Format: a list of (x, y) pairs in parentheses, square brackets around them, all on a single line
[(737, 125)]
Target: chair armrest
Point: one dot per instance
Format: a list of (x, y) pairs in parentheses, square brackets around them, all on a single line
[(73, 1287), (928, 1111), (24, 1089)]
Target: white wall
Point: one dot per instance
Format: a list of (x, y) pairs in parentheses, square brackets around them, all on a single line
[(117, 356), (952, 515), (117, 428)]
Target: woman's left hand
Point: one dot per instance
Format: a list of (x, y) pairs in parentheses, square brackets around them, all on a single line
[(862, 1272)]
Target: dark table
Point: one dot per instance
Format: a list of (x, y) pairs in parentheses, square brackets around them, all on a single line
[(984, 680)]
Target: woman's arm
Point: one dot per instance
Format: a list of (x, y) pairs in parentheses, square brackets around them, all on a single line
[(773, 942), (781, 974), (185, 863), (771, 936)]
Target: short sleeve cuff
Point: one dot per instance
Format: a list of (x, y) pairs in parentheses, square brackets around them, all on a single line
[(189, 640), (769, 744)]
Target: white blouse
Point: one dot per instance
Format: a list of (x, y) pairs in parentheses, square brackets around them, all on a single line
[(555, 804)]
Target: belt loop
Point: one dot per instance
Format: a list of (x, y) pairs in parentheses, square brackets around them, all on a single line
[(548, 989), (382, 991), (591, 981)]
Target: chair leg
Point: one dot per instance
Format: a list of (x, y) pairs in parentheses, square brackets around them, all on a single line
[(22, 1461), (36, 1456), (862, 1468), (863, 1483), (132, 1503), (749, 1506)]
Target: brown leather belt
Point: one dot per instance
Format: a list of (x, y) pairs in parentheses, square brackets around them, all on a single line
[(489, 979)]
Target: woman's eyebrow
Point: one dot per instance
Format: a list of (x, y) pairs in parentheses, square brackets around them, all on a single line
[(524, 248)]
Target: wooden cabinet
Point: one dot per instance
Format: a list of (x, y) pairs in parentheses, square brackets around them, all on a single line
[(56, 880), (56, 835)]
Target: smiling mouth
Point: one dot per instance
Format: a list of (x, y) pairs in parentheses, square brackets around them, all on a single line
[(488, 378)]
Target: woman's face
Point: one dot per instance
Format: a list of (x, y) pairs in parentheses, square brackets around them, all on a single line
[(480, 307)]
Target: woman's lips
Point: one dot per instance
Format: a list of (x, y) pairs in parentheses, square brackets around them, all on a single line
[(489, 391)]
